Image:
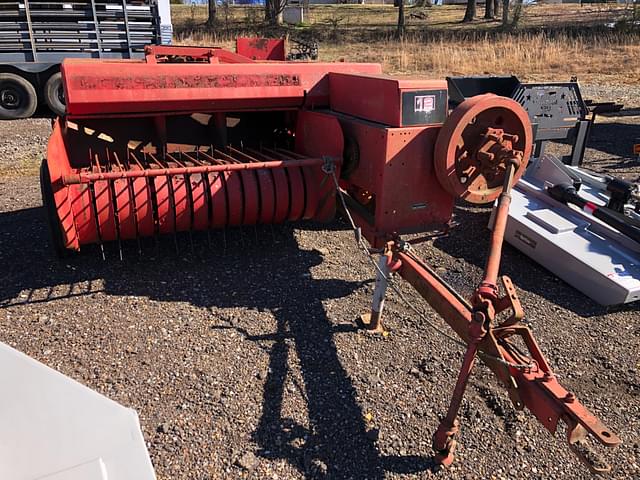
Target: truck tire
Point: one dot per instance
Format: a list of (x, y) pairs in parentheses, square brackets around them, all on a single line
[(54, 94), (18, 98)]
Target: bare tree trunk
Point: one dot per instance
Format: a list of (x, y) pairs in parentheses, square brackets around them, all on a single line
[(305, 8), (489, 10), (518, 12), (496, 7), (400, 30), (470, 13), (213, 10), (273, 11), (505, 13)]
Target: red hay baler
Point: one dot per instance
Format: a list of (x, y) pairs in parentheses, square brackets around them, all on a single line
[(203, 138)]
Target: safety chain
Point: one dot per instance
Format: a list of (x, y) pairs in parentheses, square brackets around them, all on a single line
[(362, 245)]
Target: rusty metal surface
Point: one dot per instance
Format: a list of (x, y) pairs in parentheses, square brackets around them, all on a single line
[(536, 388), (98, 88), (469, 154)]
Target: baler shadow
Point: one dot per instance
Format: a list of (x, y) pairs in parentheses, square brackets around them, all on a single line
[(279, 279), (614, 138), (525, 273)]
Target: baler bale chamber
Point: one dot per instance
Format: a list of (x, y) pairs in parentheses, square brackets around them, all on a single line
[(193, 139)]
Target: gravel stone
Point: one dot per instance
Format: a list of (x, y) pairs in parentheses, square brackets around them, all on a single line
[(248, 461)]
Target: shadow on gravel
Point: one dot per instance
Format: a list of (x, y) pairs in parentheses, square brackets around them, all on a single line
[(259, 269), (616, 139), (525, 273)]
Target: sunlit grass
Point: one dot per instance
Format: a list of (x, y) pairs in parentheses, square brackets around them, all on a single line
[(553, 42)]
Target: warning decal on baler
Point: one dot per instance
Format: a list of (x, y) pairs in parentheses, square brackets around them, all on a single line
[(424, 107), (424, 103)]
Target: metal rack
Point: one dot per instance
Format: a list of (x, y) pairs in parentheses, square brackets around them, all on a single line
[(47, 31)]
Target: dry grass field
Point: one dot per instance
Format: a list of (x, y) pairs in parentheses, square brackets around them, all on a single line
[(552, 41)]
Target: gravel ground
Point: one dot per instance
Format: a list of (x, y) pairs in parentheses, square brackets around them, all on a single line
[(245, 362)]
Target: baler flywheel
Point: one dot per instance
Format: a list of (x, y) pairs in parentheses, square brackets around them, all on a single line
[(475, 140)]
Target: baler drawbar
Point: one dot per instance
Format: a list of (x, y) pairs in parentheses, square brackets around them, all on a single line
[(192, 139)]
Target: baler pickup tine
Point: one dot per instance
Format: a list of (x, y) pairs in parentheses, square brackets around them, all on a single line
[(114, 201), (187, 181), (116, 217), (94, 207), (132, 196), (172, 205), (171, 199), (154, 209)]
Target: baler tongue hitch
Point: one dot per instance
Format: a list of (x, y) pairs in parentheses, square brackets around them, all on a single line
[(492, 341), (128, 162), (528, 377)]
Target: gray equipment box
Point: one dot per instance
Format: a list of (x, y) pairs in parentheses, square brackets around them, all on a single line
[(580, 249)]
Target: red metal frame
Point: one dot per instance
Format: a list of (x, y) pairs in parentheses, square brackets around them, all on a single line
[(536, 388), (261, 48), (394, 181), (379, 97), (100, 88), (469, 137)]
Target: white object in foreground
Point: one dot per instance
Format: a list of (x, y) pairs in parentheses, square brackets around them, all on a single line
[(54, 428)]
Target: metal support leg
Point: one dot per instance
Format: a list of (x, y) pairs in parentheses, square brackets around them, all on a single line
[(373, 320), (444, 443)]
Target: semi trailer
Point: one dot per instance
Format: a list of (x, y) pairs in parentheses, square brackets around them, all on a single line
[(36, 36)]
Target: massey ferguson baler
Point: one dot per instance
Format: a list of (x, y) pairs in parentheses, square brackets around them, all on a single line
[(195, 139)]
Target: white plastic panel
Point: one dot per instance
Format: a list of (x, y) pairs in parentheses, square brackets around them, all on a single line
[(51, 424)]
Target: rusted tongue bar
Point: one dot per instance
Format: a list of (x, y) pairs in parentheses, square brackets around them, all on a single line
[(527, 376)]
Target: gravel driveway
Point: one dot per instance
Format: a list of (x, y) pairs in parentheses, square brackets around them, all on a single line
[(245, 362)]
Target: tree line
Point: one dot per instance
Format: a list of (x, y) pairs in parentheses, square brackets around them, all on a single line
[(492, 9)]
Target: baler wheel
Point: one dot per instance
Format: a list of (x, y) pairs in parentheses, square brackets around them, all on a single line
[(53, 222), (474, 144)]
